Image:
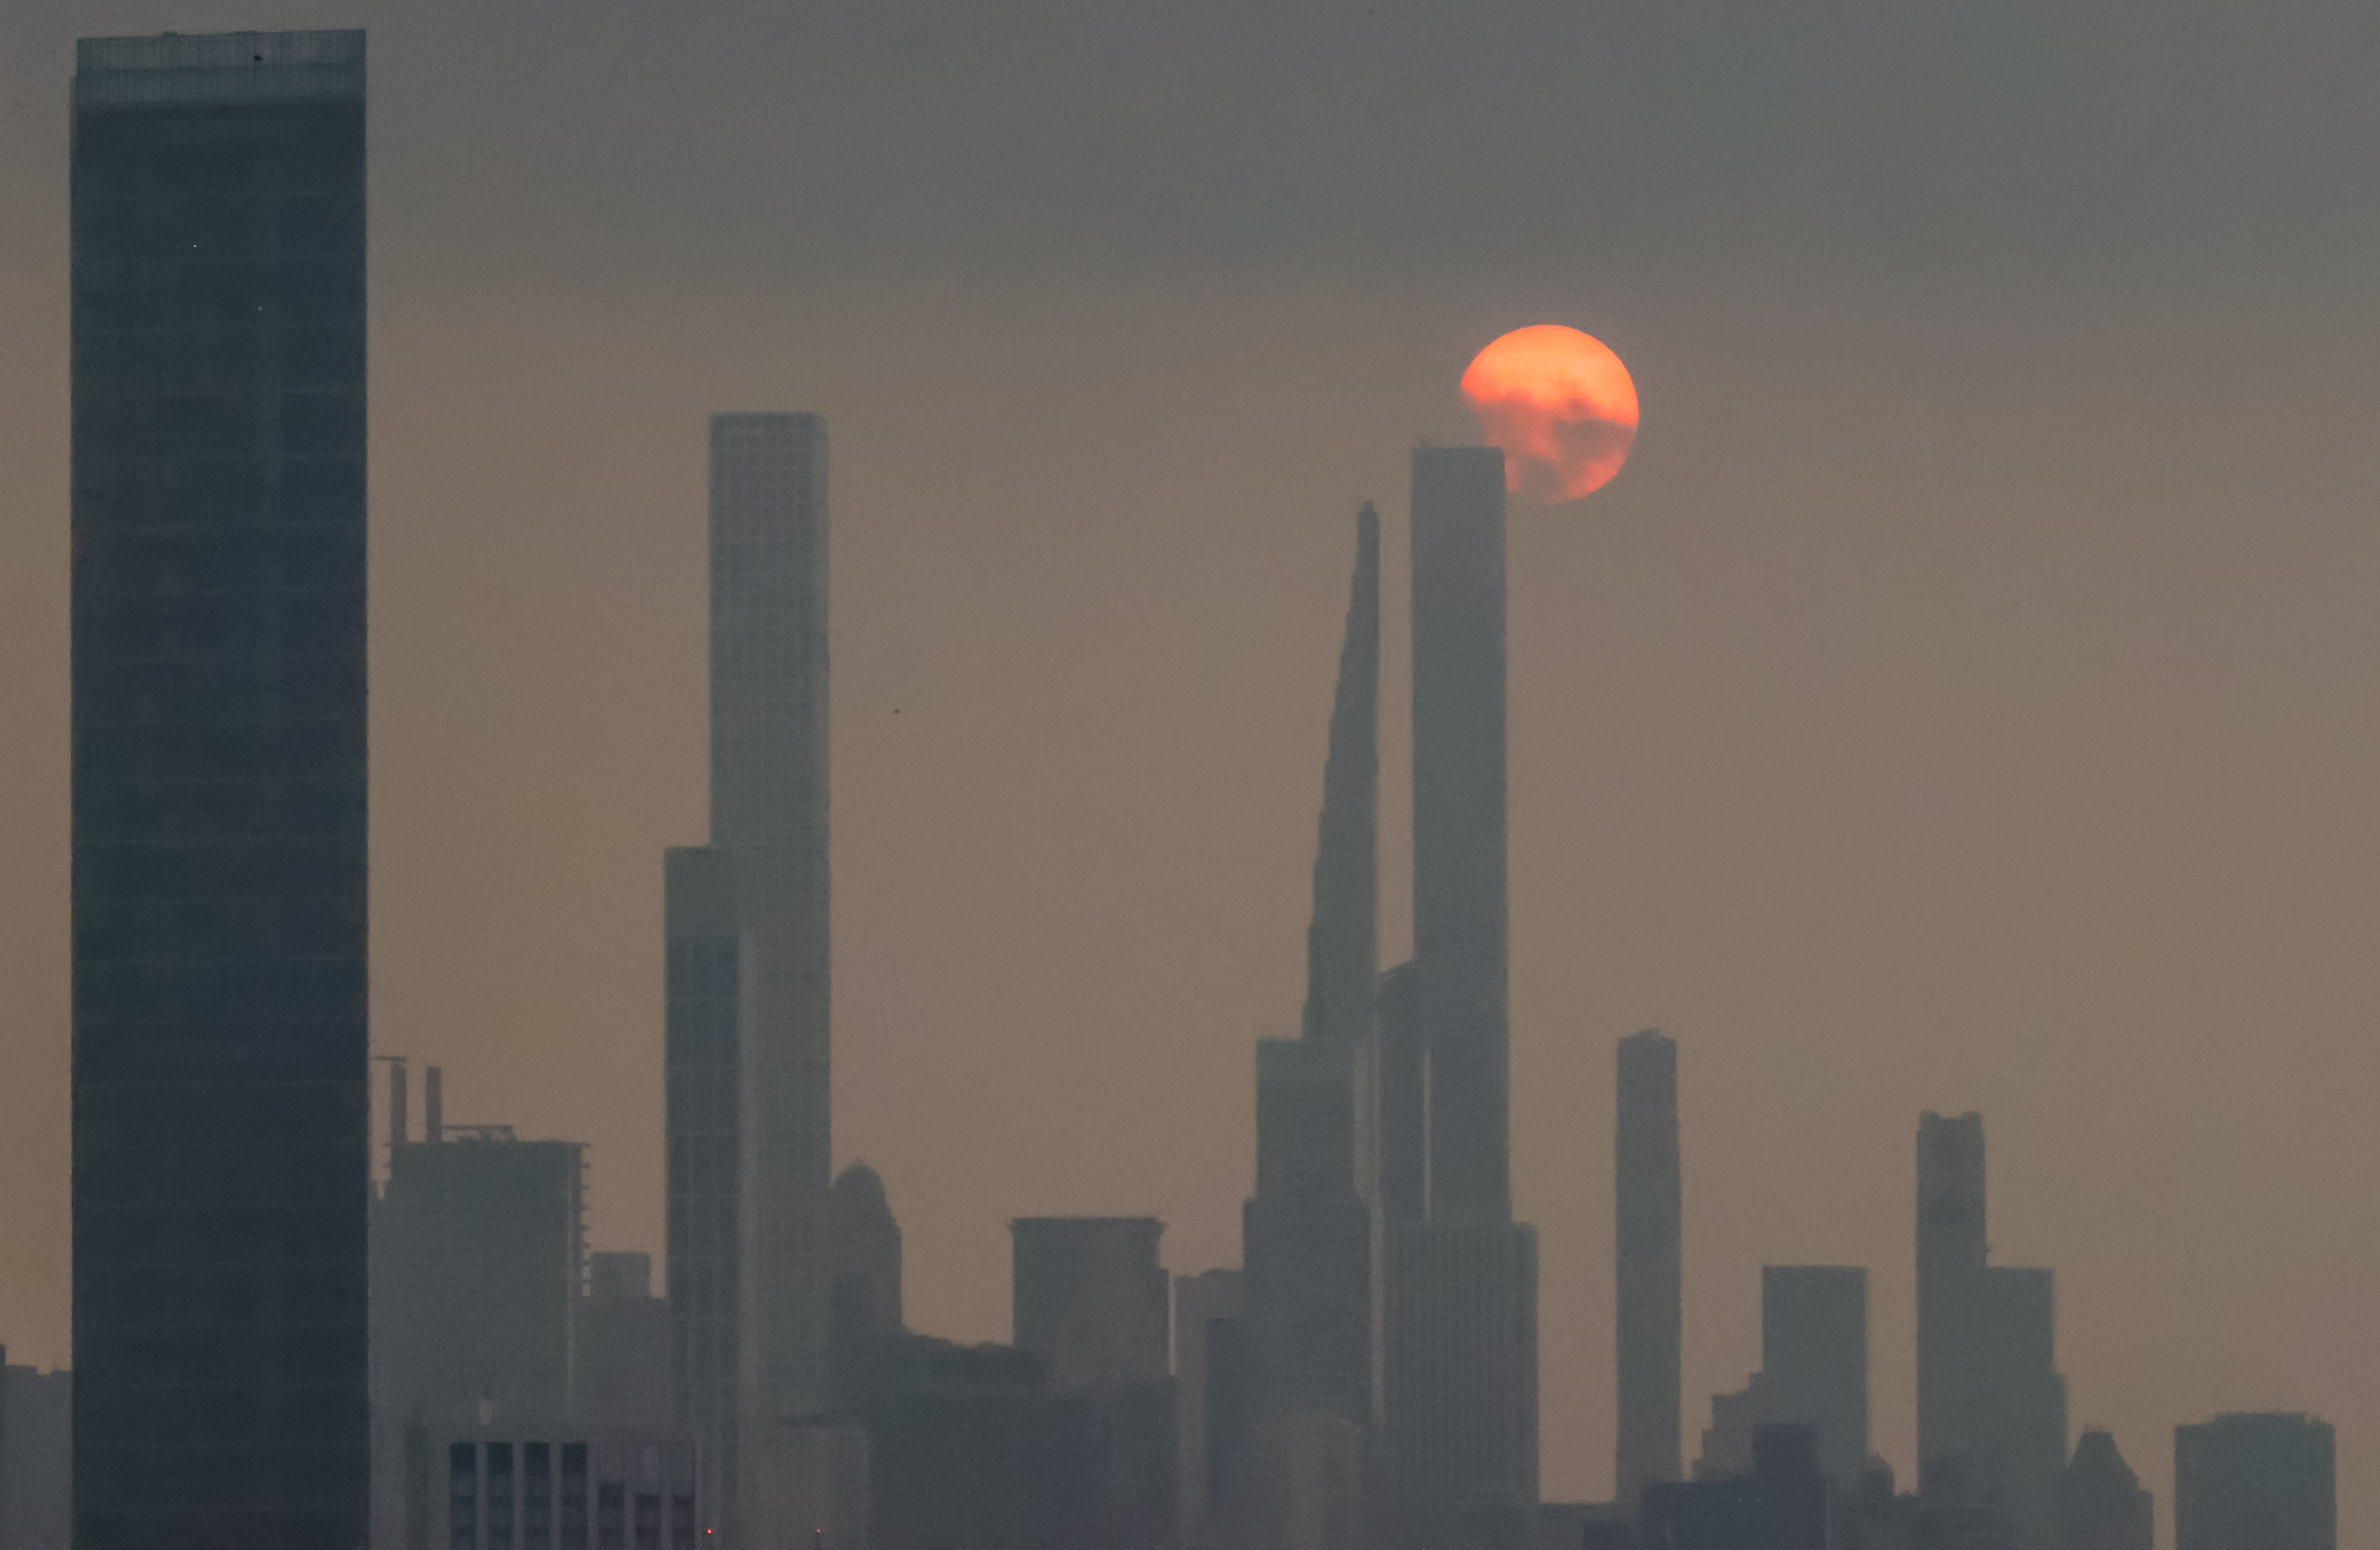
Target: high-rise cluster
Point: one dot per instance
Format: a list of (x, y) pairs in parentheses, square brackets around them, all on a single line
[(273, 1352)]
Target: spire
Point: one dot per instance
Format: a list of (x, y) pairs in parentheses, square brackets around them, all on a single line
[(1340, 949)]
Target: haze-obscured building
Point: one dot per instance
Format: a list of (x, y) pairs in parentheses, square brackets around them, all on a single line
[(2101, 1504), (1648, 1265), (560, 1488), (1458, 1299), (1989, 1398), (219, 777), (36, 1457), (621, 1346), (1198, 1301), (2257, 1481)]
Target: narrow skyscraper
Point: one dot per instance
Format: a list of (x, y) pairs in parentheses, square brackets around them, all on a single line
[(221, 1110), (1990, 1403), (1309, 1230), (1647, 1262), (750, 1039), (1459, 1297), (702, 987)]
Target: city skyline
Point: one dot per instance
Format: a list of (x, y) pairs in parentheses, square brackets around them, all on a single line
[(1997, 692)]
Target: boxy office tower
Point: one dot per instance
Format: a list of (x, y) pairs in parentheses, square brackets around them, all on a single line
[(220, 1106)]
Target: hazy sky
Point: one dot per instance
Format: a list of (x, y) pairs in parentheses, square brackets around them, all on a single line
[(1969, 696)]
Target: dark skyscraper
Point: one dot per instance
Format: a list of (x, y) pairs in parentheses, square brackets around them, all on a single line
[(1091, 1300), (867, 1254), (2256, 1482), (1990, 1402), (1310, 1231), (703, 1086), (2100, 1503), (1459, 1302), (220, 1078), (1647, 1261), (1402, 1054), (1459, 946)]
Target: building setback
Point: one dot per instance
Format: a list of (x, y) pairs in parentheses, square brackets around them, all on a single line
[(2256, 1482), (1647, 1265), (220, 1102)]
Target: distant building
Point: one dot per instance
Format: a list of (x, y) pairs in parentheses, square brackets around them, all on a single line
[(1813, 1371), (621, 1346), (1090, 1299), (1648, 1264), (703, 1077), (2101, 1505), (867, 1250), (220, 1163), (499, 1488), (1198, 1301), (478, 1267), (2256, 1482), (1990, 1401), (1459, 1293), (36, 1457)]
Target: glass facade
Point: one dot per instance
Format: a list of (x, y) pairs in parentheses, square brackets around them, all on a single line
[(220, 1104)]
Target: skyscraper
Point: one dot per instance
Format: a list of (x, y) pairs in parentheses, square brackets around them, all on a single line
[(1647, 1262), (220, 1102), (1990, 1402), (703, 1086), (749, 1036), (2101, 1505), (2256, 1482), (1459, 1302), (1199, 1302), (1814, 1360), (1310, 1229), (768, 806), (1091, 1300)]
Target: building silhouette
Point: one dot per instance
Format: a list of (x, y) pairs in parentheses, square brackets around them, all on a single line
[(1460, 1296), (36, 1457), (2101, 1505), (703, 1109), (570, 1488), (220, 1099), (1989, 1399), (749, 1036), (1648, 1265), (2261, 1481), (1091, 1300), (621, 1347), (1198, 1301), (1091, 1305), (1813, 1374), (1310, 1229), (867, 1254)]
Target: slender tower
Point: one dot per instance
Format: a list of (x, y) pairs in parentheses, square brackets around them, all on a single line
[(1647, 1262), (749, 1035), (1460, 1316), (1310, 1231), (221, 1091)]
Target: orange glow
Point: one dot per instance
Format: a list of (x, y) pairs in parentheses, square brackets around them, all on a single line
[(1559, 403)]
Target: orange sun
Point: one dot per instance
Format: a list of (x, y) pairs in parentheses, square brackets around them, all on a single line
[(1559, 403)]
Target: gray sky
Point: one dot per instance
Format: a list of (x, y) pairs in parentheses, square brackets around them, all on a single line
[(1964, 699)]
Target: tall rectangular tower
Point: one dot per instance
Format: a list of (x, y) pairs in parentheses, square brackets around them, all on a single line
[(1814, 1360), (220, 1101), (768, 806), (2265, 1481), (703, 1087), (1647, 1261), (1459, 1303), (1460, 938)]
